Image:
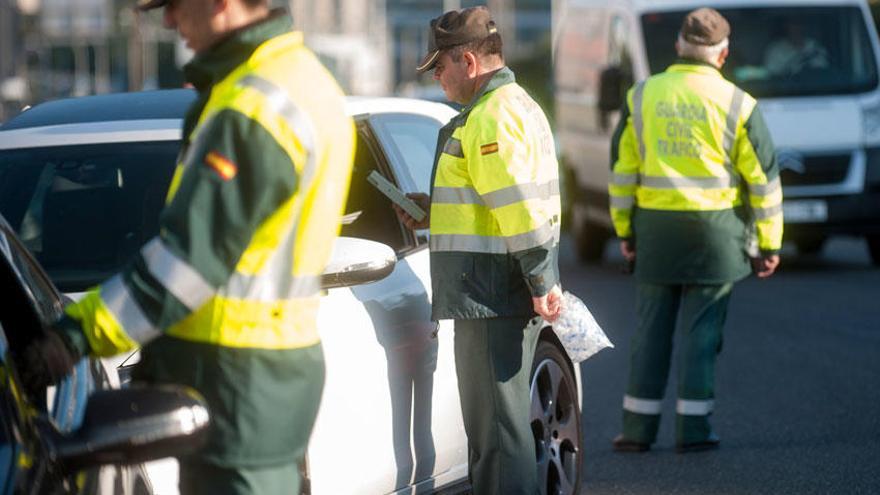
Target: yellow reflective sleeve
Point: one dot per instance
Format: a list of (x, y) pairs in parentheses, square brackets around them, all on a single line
[(105, 335), (624, 177), (755, 161)]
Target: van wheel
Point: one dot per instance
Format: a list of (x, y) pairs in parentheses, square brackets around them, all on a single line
[(589, 241), (874, 248), (556, 421)]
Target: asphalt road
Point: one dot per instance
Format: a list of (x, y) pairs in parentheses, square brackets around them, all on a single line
[(798, 384)]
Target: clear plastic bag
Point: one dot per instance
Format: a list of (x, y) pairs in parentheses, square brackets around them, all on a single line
[(578, 331)]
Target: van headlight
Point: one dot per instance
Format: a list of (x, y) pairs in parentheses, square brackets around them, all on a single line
[(871, 123)]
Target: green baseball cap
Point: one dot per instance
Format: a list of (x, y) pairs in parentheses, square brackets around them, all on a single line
[(150, 4), (453, 28)]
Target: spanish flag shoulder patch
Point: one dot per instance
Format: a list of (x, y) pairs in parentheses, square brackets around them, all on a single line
[(489, 148), (220, 164)]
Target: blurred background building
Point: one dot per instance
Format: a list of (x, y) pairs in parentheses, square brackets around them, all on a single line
[(60, 48)]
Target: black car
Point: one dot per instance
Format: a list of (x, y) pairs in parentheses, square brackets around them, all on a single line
[(56, 440)]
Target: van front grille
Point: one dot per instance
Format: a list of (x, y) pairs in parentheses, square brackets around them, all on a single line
[(817, 170)]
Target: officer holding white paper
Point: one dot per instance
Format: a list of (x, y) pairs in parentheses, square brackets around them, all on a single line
[(494, 217)]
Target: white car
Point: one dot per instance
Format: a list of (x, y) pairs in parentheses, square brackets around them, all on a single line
[(82, 182)]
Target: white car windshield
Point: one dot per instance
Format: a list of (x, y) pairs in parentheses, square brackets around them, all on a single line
[(785, 51)]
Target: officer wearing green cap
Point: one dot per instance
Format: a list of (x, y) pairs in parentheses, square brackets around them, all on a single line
[(225, 298), (494, 225), (694, 174)]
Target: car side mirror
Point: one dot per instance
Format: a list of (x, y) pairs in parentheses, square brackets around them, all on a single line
[(135, 424), (357, 261)]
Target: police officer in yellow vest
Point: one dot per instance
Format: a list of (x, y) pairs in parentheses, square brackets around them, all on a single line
[(494, 225), (694, 179), (225, 298)]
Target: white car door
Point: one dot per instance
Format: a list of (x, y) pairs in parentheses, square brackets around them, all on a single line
[(389, 416)]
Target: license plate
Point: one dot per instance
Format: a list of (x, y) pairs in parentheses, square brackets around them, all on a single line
[(805, 211)]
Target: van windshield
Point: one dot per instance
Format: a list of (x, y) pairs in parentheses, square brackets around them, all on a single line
[(790, 51), (85, 210)]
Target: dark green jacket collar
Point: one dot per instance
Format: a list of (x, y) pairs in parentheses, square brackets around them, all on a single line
[(212, 65), (501, 77)]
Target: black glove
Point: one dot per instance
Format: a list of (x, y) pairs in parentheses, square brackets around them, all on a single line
[(46, 360)]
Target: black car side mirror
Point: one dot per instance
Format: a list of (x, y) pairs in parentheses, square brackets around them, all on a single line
[(135, 424)]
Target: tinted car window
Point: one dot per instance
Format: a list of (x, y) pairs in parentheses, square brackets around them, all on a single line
[(413, 142), (786, 51), (368, 213), (41, 294), (54, 197)]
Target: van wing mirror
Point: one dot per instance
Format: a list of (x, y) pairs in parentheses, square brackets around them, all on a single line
[(611, 89), (357, 261), (135, 424)]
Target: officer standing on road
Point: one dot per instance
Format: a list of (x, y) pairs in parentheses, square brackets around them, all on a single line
[(494, 224), (225, 298), (694, 172)]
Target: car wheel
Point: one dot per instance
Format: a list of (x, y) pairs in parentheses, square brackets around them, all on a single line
[(874, 248), (589, 240), (556, 421)]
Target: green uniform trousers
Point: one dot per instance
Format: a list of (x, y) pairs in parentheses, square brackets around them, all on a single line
[(493, 361), (700, 311), (207, 479), (263, 404)]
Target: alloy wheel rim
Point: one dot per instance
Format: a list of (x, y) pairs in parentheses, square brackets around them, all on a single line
[(553, 417)]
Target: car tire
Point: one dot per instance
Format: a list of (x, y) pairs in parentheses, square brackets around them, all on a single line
[(874, 248), (556, 421), (590, 243), (589, 240)]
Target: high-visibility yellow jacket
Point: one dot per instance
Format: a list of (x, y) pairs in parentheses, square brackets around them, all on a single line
[(495, 208), (694, 165), (251, 215)]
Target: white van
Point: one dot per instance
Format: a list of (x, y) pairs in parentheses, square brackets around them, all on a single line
[(811, 64)]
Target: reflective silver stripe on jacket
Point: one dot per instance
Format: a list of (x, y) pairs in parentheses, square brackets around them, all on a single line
[(275, 280), (177, 276), (694, 407), (638, 119), (496, 199), (270, 286), (518, 193), (285, 107), (729, 140), (682, 182), (641, 406), (127, 311), (622, 202), (455, 196), (473, 243), (453, 147), (765, 189), (619, 179), (765, 213)]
